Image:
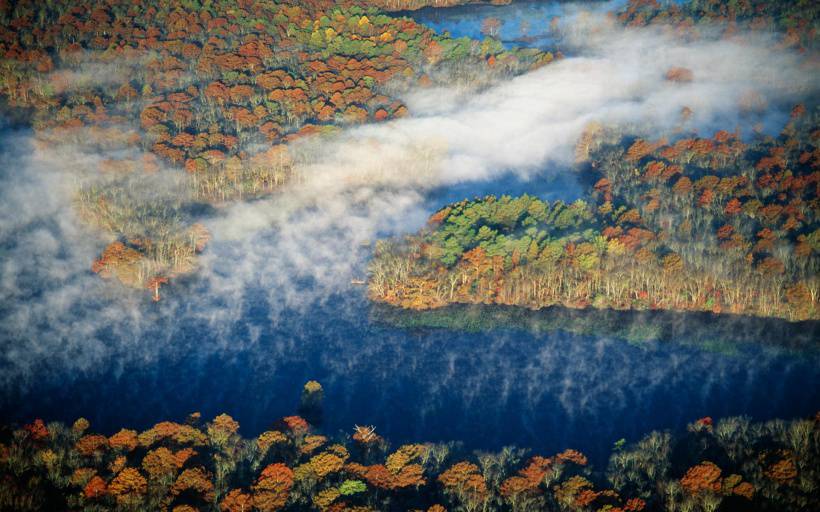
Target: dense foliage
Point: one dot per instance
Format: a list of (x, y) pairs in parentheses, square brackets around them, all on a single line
[(796, 22), (710, 224), (216, 88), (203, 81), (732, 464)]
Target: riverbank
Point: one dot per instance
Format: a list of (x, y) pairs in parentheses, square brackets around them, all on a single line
[(731, 463)]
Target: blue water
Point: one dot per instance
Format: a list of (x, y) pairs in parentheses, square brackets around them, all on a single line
[(552, 185), (529, 24), (548, 390), (522, 23), (513, 384)]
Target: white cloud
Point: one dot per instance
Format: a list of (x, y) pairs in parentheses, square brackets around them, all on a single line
[(305, 243)]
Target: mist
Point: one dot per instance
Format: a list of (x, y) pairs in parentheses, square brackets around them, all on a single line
[(373, 179), (293, 254)]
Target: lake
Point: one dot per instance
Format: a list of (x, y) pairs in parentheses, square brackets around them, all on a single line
[(488, 377), (516, 384)]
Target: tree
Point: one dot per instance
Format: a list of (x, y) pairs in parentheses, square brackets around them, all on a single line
[(236, 501), (124, 440), (464, 481), (222, 429), (800, 300), (160, 464), (36, 430), (639, 149), (733, 207), (310, 406), (272, 488), (217, 91), (196, 481), (95, 488), (491, 26), (128, 487), (90, 445), (682, 186)]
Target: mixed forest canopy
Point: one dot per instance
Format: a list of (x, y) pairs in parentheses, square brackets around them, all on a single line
[(162, 114), (722, 223), (795, 22), (218, 93), (730, 464), (708, 224), (218, 89)]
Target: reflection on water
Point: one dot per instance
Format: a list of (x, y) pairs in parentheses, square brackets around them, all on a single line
[(530, 24), (546, 380), (556, 381), (521, 23)]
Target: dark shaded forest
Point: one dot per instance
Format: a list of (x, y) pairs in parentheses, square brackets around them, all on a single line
[(731, 464)]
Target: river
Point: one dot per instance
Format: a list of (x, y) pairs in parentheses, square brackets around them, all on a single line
[(487, 377)]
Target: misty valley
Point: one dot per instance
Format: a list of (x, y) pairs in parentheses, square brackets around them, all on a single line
[(409, 255)]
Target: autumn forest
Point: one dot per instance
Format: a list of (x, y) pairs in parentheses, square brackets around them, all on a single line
[(526, 255)]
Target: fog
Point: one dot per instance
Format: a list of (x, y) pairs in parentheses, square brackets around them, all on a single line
[(293, 254), (372, 179)]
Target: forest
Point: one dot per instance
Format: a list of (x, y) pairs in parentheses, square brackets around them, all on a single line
[(216, 96), (691, 224), (731, 463), (726, 223), (703, 330), (211, 94), (794, 22), (268, 157)]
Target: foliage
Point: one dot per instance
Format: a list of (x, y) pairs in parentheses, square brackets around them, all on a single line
[(698, 224), (219, 89), (795, 22), (730, 463)]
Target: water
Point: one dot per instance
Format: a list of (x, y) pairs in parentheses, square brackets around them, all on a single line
[(532, 386), (530, 24), (547, 380), (521, 23)]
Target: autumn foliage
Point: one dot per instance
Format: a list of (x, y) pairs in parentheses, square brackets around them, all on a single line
[(219, 92), (208, 465), (684, 224), (700, 478)]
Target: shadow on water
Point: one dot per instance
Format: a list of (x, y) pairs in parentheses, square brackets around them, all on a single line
[(551, 184), (720, 332), (488, 377)]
